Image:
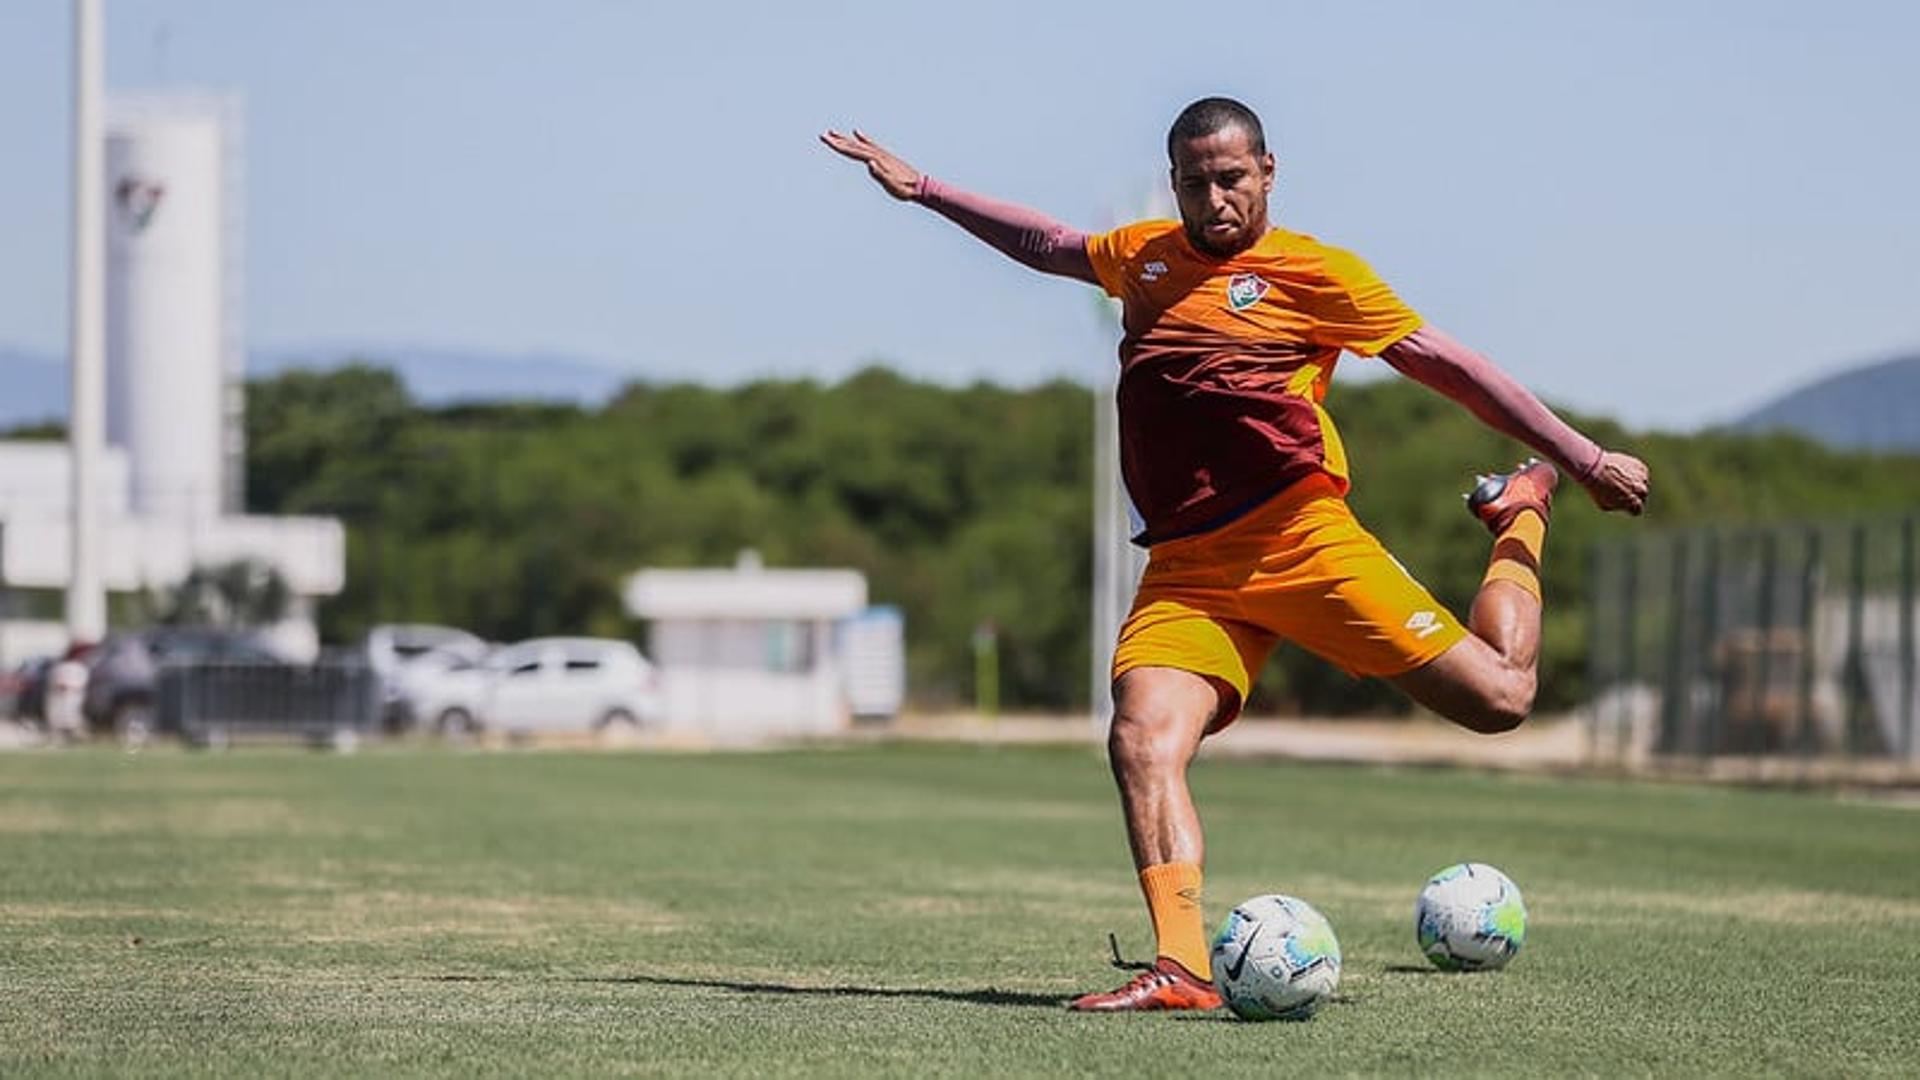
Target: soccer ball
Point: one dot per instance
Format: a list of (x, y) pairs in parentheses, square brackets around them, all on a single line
[(1470, 918), (1275, 958)]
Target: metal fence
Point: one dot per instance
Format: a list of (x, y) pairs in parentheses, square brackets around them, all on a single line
[(1782, 641), (331, 700)]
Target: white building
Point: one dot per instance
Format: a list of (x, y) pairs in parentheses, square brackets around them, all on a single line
[(750, 652), (168, 489)]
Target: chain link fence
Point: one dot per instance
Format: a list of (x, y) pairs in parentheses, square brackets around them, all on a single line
[(1768, 642)]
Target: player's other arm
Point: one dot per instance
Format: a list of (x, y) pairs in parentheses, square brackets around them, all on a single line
[(1027, 236), (1430, 356)]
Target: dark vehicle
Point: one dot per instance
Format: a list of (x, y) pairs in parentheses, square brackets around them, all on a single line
[(125, 669)]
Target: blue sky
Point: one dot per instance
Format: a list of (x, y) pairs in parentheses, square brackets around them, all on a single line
[(1669, 212)]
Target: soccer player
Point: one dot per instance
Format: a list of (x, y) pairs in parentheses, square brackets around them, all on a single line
[(1232, 327)]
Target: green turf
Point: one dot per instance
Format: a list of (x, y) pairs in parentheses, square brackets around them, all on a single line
[(905, 911)]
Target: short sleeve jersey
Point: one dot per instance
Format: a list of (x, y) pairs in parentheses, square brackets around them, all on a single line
[(1225, 362)]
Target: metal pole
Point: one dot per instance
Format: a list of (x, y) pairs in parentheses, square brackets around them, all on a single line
[(1104, 620), (86, 593), (1674, 703), (1709, 632), (1629, 665), (1856, 619), (1599, 678), (1759, 738), (1809, 624), (1906, 639)]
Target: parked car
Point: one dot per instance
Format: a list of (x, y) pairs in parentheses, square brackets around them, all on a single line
[(123, 670), (443, 689), (545, 685), (393, 650)]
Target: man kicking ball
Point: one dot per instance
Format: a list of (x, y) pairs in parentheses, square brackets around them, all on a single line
[(1232, 327)]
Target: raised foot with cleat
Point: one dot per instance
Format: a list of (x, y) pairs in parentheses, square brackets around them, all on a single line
[(1496, 500), (1165, 985)]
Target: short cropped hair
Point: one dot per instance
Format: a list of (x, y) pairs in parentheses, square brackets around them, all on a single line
[(1212, 115)]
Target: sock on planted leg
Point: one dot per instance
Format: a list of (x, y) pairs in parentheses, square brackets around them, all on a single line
[(1179, 926)]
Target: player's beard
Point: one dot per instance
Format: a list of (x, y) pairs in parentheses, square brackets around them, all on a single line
[(1197, 236)]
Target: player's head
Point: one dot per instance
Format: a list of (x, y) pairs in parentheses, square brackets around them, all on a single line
[(1221, 174)]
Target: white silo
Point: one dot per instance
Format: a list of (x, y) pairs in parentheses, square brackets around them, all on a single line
[(173, 351)]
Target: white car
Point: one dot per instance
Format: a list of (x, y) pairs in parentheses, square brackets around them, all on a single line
[(441, 690), (546, 684), (394, 651)]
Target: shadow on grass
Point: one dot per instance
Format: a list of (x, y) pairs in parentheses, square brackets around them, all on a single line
[(988, 996), (1412, 969)]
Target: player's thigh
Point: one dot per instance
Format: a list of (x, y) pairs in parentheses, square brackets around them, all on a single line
[(1187, 632), (1346, 599), (1160, 714)]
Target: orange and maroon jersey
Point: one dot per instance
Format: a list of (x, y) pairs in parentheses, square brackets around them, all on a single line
[(1225, 363)]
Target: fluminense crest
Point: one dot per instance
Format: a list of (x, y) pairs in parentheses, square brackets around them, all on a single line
[(1245, 290)]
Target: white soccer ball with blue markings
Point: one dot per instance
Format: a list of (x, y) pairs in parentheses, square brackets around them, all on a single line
[(1470, 917), (1275, 958)]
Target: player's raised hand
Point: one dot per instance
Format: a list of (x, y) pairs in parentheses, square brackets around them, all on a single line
[(901, 180), (1620, 483)]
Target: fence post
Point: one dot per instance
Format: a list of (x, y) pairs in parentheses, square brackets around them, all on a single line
[(1809, 624), (1761, 732), (1709, 630), (1856, 673), (1674, 698), (1597, 674), (1906, 639), (1629, 647)]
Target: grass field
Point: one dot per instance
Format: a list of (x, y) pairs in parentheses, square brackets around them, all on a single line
[(908, 910)]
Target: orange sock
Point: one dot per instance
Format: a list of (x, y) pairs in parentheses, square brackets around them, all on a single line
[(1516, 553), (1179, 927)]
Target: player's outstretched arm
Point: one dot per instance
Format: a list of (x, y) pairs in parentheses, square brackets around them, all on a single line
[(1430, 356), (1028, 236)]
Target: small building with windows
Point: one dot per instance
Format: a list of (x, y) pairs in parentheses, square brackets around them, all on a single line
[(750, 653)]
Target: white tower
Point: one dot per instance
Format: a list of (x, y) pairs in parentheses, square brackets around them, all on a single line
[(173, 341)]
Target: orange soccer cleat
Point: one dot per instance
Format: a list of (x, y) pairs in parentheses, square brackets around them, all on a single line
[(1165, 985), (1496, 500)]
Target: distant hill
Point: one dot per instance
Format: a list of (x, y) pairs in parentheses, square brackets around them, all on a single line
[(1876, 407), (445, 376), (36, 383)]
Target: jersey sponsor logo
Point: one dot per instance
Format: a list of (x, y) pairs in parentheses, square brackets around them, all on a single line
[(1244, 291), (1153, 271), (1425, 624)]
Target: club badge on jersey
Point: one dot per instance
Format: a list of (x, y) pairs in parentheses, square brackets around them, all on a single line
[(1244, 291)]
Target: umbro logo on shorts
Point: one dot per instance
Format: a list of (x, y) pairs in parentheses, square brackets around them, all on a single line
[(1425, 624), (1245, 290)]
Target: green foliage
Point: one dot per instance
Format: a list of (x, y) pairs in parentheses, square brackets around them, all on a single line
[(962, 505), (235, 594)]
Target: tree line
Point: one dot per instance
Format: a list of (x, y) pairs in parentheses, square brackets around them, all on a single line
[(963, 506)]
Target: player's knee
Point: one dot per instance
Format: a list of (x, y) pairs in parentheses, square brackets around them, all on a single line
[(1145, 738), (1506, 705)]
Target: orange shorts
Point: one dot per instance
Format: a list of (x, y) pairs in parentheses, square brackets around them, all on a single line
[(1299, 567)]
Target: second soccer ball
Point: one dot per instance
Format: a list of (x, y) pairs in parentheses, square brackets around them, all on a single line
[(1470, 917)]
